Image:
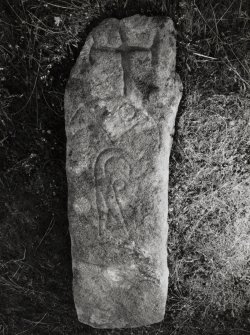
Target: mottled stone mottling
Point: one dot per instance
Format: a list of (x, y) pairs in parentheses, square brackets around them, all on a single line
[(120, 107)]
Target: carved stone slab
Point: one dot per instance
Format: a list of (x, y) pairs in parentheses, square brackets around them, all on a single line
[(120, 106)]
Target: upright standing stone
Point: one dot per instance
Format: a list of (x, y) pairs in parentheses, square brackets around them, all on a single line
[(121, 101)]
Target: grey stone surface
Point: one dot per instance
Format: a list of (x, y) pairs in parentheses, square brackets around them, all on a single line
[(120, 107)]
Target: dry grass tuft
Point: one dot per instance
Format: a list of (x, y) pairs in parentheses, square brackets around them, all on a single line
[(210, 211)]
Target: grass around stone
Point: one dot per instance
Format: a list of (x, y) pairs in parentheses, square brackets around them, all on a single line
[(209, 195)]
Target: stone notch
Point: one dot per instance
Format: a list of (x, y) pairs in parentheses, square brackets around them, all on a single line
[(120, 107)]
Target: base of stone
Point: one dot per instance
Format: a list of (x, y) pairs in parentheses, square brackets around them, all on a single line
[(120, 324)]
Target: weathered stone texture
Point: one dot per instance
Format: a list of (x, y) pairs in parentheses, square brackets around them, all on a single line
[(121, 101)]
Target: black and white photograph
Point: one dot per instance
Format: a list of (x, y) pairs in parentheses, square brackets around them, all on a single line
[(124, 167)]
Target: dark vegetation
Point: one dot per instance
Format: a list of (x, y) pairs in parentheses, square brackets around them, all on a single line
[(209, 213)]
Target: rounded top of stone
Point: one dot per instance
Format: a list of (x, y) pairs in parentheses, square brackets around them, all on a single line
[(133, 57), (135, 31)]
